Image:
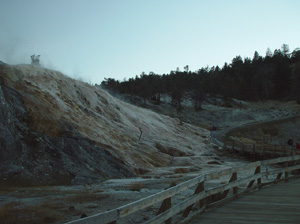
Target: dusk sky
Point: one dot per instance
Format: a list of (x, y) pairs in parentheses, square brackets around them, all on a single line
[(93, 39)]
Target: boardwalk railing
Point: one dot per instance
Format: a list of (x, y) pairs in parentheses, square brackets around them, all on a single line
[(206, 191), (270, 150)]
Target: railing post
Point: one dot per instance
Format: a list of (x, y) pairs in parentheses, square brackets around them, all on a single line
[(165, 206), (234, 178), (258, 170), (278, 176), (274, 152), (243, 149), (286, 174), (253, 152), (200, 188)]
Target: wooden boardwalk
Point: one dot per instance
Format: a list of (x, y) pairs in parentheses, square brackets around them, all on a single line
[(270, 204), (274, 204)]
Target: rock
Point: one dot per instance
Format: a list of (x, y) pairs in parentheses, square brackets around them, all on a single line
[(214, 163), (91, 206), (83, 215)]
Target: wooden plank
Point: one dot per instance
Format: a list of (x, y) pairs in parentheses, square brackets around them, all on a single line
[(283, 170), (164, 207), (176, 209), (291, 168), (115, 214), (122, 211), (232, 184), (152, 199), (280, 160), (268, 205), (230, 171), (200, 188), (241, 193), (233, 178), (192, 216), (257, 170)]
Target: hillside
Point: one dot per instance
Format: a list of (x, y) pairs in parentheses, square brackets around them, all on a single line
[(57, 130), (235, 120)]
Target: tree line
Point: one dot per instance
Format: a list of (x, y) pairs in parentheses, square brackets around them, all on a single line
[(275, 76)]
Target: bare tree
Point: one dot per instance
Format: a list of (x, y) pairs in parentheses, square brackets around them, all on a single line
[(285, 50), (186, 68), (269, 53)]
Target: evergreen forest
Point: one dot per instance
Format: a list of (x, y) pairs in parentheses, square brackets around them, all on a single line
[(275, 76)]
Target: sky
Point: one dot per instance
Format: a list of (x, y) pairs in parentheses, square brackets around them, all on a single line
[(96, 39)]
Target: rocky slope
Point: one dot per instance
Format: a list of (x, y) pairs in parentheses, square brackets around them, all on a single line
[(57, 130), (235, 120)]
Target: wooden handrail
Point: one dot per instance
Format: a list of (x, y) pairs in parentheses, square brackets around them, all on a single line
[(260, 147), (237, 183), (229, 171)]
